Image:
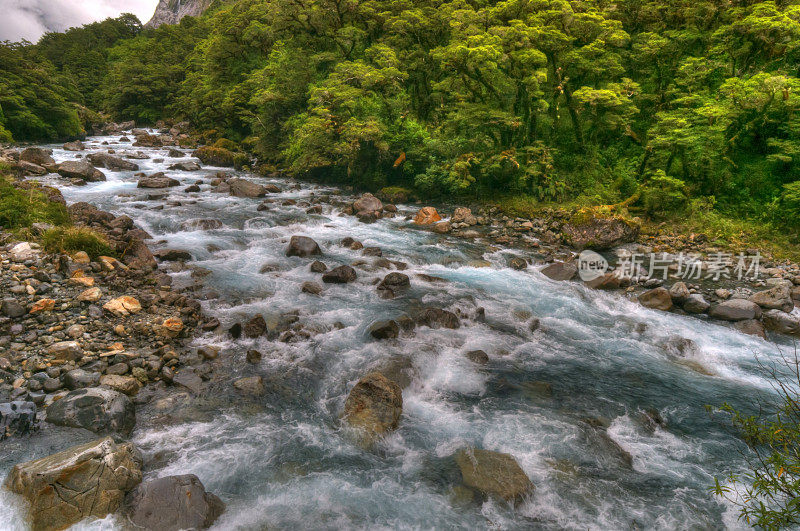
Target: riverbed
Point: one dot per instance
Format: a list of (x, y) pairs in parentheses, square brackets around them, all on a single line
[(572, 399)]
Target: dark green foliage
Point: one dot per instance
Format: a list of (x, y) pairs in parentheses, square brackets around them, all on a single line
[(663, 195), (73, 239), (21, 208)]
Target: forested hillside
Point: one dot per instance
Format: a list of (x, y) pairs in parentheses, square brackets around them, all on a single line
[(674, 104)]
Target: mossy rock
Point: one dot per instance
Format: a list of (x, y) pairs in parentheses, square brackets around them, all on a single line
[(596, 230), (395, 194), (214, 156), (224, 143)]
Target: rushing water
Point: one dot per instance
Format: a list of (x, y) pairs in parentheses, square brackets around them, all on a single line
[(283, 461)]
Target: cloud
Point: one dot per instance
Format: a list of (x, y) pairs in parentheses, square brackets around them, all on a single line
[(29, 19)]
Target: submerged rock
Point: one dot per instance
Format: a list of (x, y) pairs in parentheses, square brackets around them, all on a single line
[(384, 330), (172, 503), (87, 480), (374, 406), (493, 474)]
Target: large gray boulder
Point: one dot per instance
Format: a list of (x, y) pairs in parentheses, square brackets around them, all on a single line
[(302, 246), (781, 322), (245, 188), (695, 303), (157, 181), (560, 271), (777, 298), (493, 474), (94, 408), (735, 310), (37, 155), (367, 204), (374, 406), (80, 169), (172, 503), (105, 160), (86, 480)]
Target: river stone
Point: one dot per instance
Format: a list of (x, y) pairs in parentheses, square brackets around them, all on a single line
[(384, 330), (367, 204), (781, 322), (312, 288), (751, 327), (255, 327), (598, 233), (463, 215), (318, 267), (656, 299), (302, 246), (11, 308), (37, 155), (340, 275), (250, 385), (438, 318), (185, 166), (29, 168), (16, 418), (80, 378), (157, 181), (90, 295), (86, 480), (517, 263), (696, 303), (189, 379), (105, 160), (122, 306), (777, 298), (80, 169), (736, 310), (95, 409), (560, 271), (392, 283), (477, 356), (173, 255), (65, 350), (679, 292), (77, 145), (374, 406), (245, 188), (123, 384), (172, 503), (427, 216), (493, 474)]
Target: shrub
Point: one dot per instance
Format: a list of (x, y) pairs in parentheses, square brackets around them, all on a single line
[(395, 194), (73, 239), (240, 160), (21, 208), (664, 195), (787, 208)]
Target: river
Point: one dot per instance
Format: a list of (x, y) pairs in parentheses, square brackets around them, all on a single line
[(283, 461)]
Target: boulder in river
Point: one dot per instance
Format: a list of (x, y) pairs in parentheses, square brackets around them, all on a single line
[(147, 140), (17, 418), (172, 503), (185, 166), (656, 299), (95, 409), (679, 292), (695, 303), (560, 271), (105, 160), (37, 155), (374, 406), (438, 318), (384, 330), (340, 275), (427, 216), (367, 204), (393, 283), (493, 474), (464, 216), (245, 188), (77, 145), (80, 169), (157, 181), (255, 327), (736, 310), (781, 322), (201, 224), (86, 480), (302, 246)]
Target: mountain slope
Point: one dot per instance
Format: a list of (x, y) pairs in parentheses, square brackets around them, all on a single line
[(172, 11)]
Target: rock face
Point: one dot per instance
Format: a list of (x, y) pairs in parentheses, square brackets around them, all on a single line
[(302, 246), (735, 310), (95, 409), (87, 480), (493, 474), (599, 234), (172, 11), (656, 299), (374, 405), (172, 503)]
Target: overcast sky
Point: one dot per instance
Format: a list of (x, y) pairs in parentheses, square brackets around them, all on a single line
[(29, 19)]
